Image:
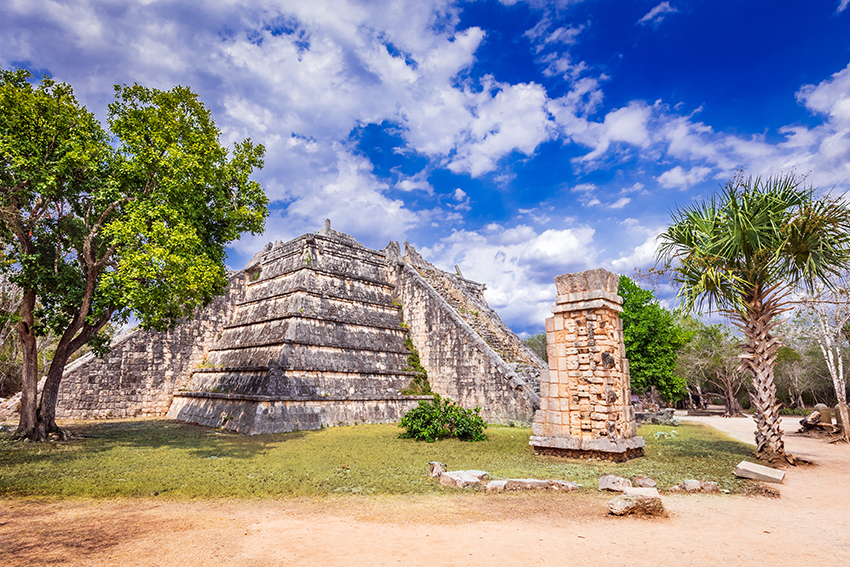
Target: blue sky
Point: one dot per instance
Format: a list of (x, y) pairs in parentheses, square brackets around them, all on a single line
[(518, 139)]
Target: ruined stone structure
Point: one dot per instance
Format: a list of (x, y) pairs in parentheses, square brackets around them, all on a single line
[(585, 408), (312, 334)]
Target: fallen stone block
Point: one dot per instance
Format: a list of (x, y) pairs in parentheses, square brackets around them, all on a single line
[(746, 469), (635, 504), (566, 485), (496, 485), (644, 482), (435, 469), (462, 479), (641, 491), (614, 483), (710, 487), (526, 484), (691, 485)]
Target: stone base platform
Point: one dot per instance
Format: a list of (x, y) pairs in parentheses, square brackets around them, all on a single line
[(589, 455), (255, 415), (616, 450)]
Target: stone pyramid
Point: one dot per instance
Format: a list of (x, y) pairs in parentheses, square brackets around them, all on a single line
[(312, 334)]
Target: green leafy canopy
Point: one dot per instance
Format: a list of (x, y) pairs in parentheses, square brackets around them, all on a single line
[(130, 220), (652, 338)]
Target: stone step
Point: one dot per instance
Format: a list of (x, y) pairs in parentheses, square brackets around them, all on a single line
[(302, 383), (312, 331)]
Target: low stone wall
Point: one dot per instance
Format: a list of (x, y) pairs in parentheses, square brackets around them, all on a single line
[(460, 364), (144, 368), (253, 415)]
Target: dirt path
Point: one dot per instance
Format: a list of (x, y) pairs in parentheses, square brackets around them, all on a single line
[(810, 521)]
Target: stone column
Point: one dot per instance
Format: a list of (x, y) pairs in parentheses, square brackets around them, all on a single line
[(585, 405)]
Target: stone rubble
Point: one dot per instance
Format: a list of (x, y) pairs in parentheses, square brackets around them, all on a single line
[(643, 482), (614, 483), (462, 479)]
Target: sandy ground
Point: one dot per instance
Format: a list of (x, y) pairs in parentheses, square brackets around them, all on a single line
[(811, 520)]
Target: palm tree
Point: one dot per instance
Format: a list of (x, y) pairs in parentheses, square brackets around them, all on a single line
[(743, 251)]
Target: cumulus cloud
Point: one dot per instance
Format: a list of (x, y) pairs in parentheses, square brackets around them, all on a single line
[(657, 14), (518, 264), (680, 179)]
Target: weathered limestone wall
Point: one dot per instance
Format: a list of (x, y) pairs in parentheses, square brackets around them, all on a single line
[(254, 415), (585, 408), (460, 364), (144, 368)]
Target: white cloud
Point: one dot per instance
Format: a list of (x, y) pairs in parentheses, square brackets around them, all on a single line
[(620, 203), (518, 264), (657, 14), (842, 5), (681, 179)]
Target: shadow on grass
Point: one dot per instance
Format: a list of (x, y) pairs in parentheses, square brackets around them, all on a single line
[(162, 457)]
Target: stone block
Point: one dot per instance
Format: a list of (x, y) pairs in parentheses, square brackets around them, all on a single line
[(526, 484), (691, 485), (746, 469), (633, 504), (614, 483)]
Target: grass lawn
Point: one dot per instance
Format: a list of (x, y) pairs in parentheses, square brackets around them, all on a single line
[(156, 457)]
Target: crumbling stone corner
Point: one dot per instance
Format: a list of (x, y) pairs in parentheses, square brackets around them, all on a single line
[(585, 402)]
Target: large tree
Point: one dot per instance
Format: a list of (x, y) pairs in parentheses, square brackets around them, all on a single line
[(710, 363), (100, 225), (743, 251), (652, 338)]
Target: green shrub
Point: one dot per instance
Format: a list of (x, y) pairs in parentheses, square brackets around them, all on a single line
[(440, 419)]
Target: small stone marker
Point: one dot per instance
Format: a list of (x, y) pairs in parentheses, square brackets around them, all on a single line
[(691, 485), (462, 479), (644, 482), (710, 487), (526, 484), (746, 469), (614, 483), (636, 504), (436, 469)]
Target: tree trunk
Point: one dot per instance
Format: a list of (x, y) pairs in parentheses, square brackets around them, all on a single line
[(29, 370), (50, 393), (758, 358)]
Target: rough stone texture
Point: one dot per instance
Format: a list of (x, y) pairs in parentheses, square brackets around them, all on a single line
[(254, 415), (691, 485), (643, 482), (566, 485), (526, 484), (460, 363), (634, 504), (614, 483), (746, 469), (709, 486), (462, 479), (436, 469), (308, 336), (663, 417), (585, 408), (496, 485), (144, 368)]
